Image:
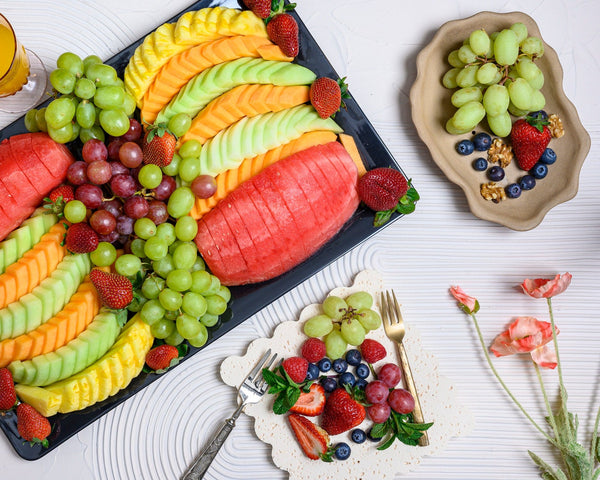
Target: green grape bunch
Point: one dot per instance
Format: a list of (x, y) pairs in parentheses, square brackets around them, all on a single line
[(495, 76)]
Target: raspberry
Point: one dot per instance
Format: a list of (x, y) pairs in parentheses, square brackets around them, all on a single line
[(296, 368), (372, 351), (313, 350)]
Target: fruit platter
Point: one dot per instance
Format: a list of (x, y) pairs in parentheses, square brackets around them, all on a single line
[(164, 196), (488, 153)]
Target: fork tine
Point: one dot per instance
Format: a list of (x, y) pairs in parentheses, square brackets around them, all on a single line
[(260, 383), (258, 367), (397, 307), (383, 305)]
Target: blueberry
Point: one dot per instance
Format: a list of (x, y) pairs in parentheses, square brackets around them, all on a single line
[(539, 170), (480, 164), (362, 370), (548, 157), (513, 190), (361, 383), (340, 365), (313, 372), (342, 451), (329, 384), (347, 378), (353, 357), (358, 435), (482, 142), (527, 182), (324, 364), (496, 173), (465, 147), (541, 113)]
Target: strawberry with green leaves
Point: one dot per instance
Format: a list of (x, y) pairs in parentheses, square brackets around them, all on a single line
[(162, 357), (342, 412), (327, 95), (116, 291), (530, 137), (282, 28), (32, 426), (158, 146)]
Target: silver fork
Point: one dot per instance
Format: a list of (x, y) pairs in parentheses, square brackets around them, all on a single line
[(251, 391), (395, 330)]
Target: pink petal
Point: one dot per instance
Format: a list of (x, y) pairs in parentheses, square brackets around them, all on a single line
[(524, 335), (502, 345), (463, 298), (546, 288), (544, 357)]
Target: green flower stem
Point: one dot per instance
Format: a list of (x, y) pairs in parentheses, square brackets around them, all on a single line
[(551, 418), (595, 435), (506, 389)]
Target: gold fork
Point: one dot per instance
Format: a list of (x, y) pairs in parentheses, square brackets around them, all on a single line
[(395, 330)]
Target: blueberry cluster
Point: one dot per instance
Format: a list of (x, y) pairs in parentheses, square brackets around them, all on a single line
[(343, 377)]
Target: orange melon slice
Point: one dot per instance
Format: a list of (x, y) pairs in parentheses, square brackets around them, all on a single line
[(350, 145)]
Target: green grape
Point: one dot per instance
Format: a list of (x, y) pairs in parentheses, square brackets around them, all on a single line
[(104, 255), (506, 47), (180, 202), (468, 116), (179, 124), (152, 286), (85, 114), (497, 78), (209, 320), (215, 305), (369, 319), (537, 82), (538, 101), (467, 77), (88, 133), (59, 112), (62, 80), (520, 93), (532, 46), (163, 265), (352, 332), (449, 78), (179, 280), (137, 303), (40, 119), (521, 31), (170, 299), (174, 245), (114, 122), (334, 307), (186, 228), (488, 73), (137, 247), (496, 100), (162, 329), (490, 53), (128, 265), (110, 97), (198, 265), (30, 121), (152, 312), (166, 231), (466, 55), (62, 134), (102, 75), (84, 88), (360, 300), (90, 60), (155, 248), (465, 95), (214, 286), (224, 293), (70, 62), (526, 68), (185, 255), (174, 339), (479, 41), (172, 314), (195, 305), (97, 122), (516, 111), (318, 326), (172, 168), (200, 339), (188, 326), (75, 211), (494, 35), (129, 104), (454, 60), (76, 130), (150, 176), (189, 168), (452, 130), (201, 281), (335, 344), (191, 148), (500, 125)]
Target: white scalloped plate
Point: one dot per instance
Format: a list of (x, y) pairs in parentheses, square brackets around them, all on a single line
[(438, 398)]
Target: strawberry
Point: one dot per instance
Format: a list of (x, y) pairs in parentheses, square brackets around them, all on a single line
[(530, 137), (8, 397), (341, 412), (160, 358), (158, 145), (261, 8), (310, 403), (32, 426), (81, 238), (116, 291), (313, 350), (283, 31), (382, 188), (296, 368), (58, 198), (372, 351), (326, 95), (312, 439)]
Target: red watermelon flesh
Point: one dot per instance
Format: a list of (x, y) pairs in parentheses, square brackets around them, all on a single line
[(55, 156), (22, 152), (16, 182)]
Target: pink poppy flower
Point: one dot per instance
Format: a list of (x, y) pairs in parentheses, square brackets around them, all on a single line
[(527, 335), (469, 304), (546, 288)]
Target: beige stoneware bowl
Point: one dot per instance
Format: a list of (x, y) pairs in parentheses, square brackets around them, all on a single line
[(431, 108)]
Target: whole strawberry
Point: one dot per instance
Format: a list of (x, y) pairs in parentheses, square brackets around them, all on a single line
[(530, 137), (382, 188), (326, 95), (261, 8), (283, 31), (158, 145), (81, 238), (8, 397), (58, 198), (372, 351), (341, 412), (160, 358), (296, 368), (32, 426), (116, 291)]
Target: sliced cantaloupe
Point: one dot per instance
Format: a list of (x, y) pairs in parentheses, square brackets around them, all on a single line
[(350, 145), (184, 66), (229, 180), (243, 101)]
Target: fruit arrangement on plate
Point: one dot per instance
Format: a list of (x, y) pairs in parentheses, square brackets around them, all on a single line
[(214, 162)]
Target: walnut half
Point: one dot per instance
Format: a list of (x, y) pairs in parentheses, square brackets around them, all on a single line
[(500, 153), (493, 192), (556, 126)]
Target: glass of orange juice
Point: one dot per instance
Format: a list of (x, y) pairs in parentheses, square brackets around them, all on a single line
[(22, 74)]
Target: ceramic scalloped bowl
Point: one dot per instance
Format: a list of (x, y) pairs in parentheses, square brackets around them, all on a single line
[(431, 108)]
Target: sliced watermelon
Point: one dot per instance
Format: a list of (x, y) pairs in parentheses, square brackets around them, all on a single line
[(55, 156), (25, 157)]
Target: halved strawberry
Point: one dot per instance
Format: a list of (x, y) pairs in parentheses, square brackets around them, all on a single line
[(312, 438), (310, 403)]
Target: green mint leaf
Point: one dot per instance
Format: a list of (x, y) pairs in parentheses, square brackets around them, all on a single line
[(271, 378), (387, 444), (276, 389), (405, 208), (382, 217), (413, 194), (411, 441), (421, 427), (280, 405), (379, 430), (292, 395)]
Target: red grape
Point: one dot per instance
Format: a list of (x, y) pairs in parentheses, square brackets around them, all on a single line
[(131, 154), (135, 131), (90, 195), (125, 225), (77, 173), (376, 392), (379, 412), (103, 222), (401, 401), (136, 207), (166, 187), (157, 212), (94, 150), (112, 237), (113, 206), (113, 148), (123, 185), (390, 374), (118, 168), (99, 172), (204, 186)]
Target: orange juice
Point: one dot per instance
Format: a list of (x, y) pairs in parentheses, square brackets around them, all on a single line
[(14, 65)]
